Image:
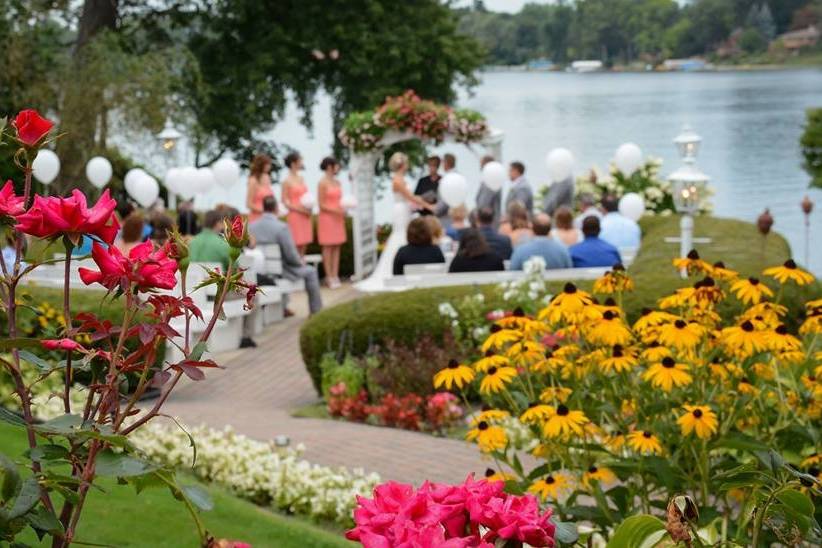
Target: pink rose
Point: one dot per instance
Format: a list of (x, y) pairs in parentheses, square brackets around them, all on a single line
[(11, 205), (145, 268), (54, 216)]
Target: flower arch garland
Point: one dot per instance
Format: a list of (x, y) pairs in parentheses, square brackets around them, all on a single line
[(408, 113)]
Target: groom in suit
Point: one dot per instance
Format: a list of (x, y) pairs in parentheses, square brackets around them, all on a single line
[(520, 188)]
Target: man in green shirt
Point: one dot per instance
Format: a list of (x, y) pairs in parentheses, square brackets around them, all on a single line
[(209, 246)]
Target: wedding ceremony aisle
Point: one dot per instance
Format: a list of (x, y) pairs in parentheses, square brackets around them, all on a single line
[(259, 387)]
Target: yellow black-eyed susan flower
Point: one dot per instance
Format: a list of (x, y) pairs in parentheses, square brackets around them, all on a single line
[(681, 334), (605, 476), (492, 416), (812, 460), (456, 374), (692, 264), (745, 386), (644, 442), (491, 359), (751, 290), (679, 299), (614, 281), (569, 303), (499, 337), (667, 374), (780, 340), (812, 324), (554, 394), (700, 420), (549, 363), (493, 475), (516, 320), (621, 359), (489, 437), (564, 422), (722, 273), (743, 339), (609, 330), (614, 441), (706, 292), (652, 318), (496, 378), (536, 413), (525, 353), (654, 352), (552, 487), (789, 271)]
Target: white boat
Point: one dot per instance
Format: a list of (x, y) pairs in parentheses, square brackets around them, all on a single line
[(589, 65)]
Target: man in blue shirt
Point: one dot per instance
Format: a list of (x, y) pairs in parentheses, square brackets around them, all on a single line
[(593, 251), (499, 243), (541, 245), (617, 229)]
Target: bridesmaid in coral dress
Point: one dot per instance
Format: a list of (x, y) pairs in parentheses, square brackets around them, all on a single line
[(299, 216), (331, 224), (259, 186)]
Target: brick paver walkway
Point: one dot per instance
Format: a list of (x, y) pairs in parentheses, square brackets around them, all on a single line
[(259, 387)]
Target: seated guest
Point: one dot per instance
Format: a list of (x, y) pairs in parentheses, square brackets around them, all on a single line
[(541, 245), (269, 229), (131, 234), (474, 254), (517, 225), (209, 246), (588, 207), (420, 248), (617, 229), (563, 229), (593, 251), (439, 237), (499, 243), (459, 222), (187, 221), (161, 225)]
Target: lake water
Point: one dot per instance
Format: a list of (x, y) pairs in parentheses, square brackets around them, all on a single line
[(750, 123)]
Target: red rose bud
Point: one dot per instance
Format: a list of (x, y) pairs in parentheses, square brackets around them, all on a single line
[(11, 205), (62, 344), (177, 248), (31, 127), (236, 233)]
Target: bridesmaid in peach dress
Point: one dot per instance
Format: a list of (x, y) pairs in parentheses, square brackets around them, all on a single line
[(331, 224), (299, 216), (259, 186)]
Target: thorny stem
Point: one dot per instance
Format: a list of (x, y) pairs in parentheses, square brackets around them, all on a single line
[(67, 319)]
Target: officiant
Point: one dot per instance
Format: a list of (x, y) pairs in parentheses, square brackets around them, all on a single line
[(428, 187)]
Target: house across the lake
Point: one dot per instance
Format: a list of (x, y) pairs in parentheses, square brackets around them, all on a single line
[(799, 39)]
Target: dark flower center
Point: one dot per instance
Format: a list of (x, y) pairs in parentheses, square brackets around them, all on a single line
[(617, 352), (782, 329), (610, 302), (495, 328), (747, 326), (492, 370), (592, 470), (790, 264), (753, 281), (453, 364), (680, 324), (814, 471), (489, 472), (668, 362), (693, 255), (745, 380), (549, 353), (646, 311), (489, 353), (532, 404), (569, 288), (697, 413), (562, 411), (646, 434), (519, 312), (550, 480), (619, 267), (482, 425), (608, 315), (653, 344), (719, 264)]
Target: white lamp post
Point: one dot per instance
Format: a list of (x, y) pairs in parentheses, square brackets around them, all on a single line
[(688, 184), (168, 140)]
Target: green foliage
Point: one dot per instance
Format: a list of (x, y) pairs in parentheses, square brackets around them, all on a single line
[(335, 372), (752, 41), (811, 142)]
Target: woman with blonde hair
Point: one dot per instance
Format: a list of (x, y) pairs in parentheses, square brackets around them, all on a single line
[(518, 224), (259, 186), (404, 201)]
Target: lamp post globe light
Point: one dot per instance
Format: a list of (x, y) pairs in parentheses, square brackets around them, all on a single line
[(688, 184), (169, 137)]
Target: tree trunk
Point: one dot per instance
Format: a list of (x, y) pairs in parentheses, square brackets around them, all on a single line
[(97, 15)]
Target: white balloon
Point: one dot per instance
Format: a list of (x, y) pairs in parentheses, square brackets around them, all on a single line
[(186, 182), (348, 202), (453, 189), (628, 158), (493, 175), (204, 181), (145, 190), (226, 172), (307, 200), (46, 166), (98, 171), (172, 179), (131, 178), (632, 206), (560, 162)]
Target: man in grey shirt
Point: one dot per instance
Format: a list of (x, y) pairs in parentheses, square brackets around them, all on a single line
[(560, 193), (487, 198), (268, 229), (520, 188)]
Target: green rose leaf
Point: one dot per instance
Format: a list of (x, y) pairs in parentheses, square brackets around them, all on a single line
[(635, 531)]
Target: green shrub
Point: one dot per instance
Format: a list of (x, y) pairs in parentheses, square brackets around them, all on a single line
[(405, 317), (334, 372), (811, 142)]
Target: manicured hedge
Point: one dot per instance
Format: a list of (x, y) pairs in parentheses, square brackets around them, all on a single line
[(354, 326)]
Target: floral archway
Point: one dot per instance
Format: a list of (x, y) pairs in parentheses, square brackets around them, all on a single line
[(402, 118)]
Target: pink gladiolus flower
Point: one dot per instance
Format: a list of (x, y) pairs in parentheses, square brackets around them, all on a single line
[(10, 204), (31, 127), (54, 216), (145, 268), (62, 344)]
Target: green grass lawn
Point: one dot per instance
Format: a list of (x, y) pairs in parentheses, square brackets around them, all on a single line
[(118, 517)]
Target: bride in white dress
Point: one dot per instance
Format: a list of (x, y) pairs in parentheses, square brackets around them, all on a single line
[(404, 199)]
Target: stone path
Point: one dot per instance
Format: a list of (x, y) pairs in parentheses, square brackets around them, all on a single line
[(259, 387)]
